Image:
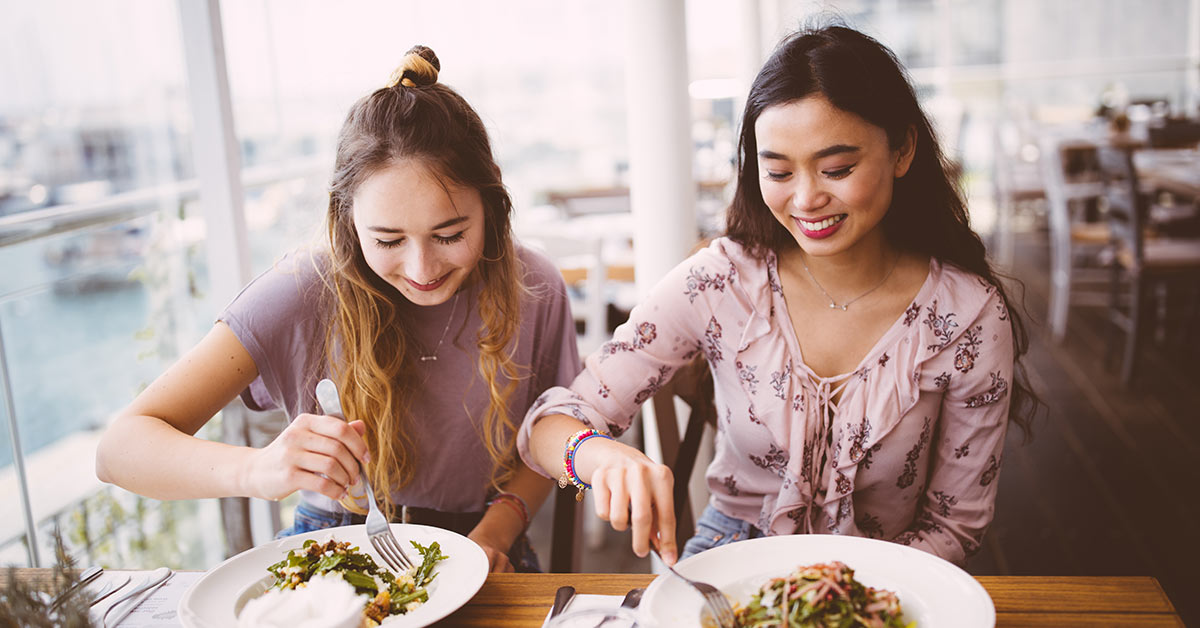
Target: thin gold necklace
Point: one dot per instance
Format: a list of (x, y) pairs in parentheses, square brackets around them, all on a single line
[(432, 357), (833, 304)]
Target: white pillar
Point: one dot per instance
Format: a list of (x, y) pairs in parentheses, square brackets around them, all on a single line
[(662, 192), (215, 150), (1191, 102), (751, 52)]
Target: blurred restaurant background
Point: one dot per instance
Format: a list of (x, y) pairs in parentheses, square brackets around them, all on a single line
[(155, 156)]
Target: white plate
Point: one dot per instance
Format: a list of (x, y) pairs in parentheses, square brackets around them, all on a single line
[(215, 599), (932, 591)]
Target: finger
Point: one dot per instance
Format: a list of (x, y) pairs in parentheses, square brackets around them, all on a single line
[(348, 434), (502, 564), (600, 495), (305, 481), (618, 503), (664, 514), (641, 511), (318, 443), (322, 464)]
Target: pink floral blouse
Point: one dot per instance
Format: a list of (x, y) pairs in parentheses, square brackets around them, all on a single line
[(909, 453)]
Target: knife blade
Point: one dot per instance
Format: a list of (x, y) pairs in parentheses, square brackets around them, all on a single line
[(633, 598), (631, 601), (86, 577), (562, 597)]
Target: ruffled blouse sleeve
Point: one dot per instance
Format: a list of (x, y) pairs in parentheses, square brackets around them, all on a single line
[(664, 332)]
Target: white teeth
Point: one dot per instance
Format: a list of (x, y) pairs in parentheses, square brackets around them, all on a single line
[(824, 224)]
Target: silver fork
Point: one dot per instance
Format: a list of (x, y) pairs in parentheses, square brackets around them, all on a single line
[(715, 601), (378, 530)]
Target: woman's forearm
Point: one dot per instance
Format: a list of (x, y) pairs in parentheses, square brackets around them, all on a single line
[(148, 456), (504, 522), (548, 441)]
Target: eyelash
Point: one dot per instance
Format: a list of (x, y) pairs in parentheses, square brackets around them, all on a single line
[(840, 173), (389, 244)]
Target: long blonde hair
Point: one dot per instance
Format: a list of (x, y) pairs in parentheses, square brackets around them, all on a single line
[(371, 349)]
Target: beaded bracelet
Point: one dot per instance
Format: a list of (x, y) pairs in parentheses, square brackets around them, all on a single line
[(569, 476), (515, 502)]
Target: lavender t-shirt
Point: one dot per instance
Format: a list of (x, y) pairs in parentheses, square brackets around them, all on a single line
[(281, 319)]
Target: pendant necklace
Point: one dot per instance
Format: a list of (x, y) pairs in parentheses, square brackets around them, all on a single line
[(846, 305), (432, 357)]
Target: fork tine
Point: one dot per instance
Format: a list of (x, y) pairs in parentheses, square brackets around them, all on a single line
[(386, 552), (397, 550), (720, 604)]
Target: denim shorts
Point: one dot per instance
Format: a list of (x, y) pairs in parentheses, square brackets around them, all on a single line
[(309, 518), (714, 529)]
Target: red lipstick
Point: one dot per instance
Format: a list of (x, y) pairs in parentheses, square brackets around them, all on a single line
[(823, 233)]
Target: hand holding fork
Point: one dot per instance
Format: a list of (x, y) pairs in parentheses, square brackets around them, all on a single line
[(378, 529)]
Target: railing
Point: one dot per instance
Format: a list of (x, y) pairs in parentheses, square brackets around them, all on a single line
[(78, 217)]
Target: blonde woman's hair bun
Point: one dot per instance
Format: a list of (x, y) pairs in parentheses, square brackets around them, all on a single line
[(419, 68)]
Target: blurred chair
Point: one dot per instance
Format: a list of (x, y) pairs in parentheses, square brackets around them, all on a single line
[(1080, 246), (693, 385), (581, 263), (1144, 260), (1017, 180), (246, 428)]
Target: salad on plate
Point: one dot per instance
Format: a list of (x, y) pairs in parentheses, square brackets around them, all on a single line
[(319, 569), (821, 595)]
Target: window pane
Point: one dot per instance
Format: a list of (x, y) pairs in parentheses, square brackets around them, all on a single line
[(93, 148)]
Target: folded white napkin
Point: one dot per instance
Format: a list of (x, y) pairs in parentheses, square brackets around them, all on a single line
[(588, 600)]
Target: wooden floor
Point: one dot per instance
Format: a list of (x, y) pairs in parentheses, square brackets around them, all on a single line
[(1110, 484)]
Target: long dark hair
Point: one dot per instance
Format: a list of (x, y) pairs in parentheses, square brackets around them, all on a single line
[(416, 117), (927, 216)]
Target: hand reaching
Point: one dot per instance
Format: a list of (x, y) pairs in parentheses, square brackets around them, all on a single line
[(631, 490), (497, 556), (315, 452)]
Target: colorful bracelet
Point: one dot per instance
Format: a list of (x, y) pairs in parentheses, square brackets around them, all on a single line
[(569, 476), (514, 501)]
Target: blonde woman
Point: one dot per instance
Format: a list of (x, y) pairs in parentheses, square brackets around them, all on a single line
[(437, 328)]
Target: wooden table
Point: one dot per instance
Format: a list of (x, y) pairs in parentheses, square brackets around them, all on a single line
[(512, 600), (522, 600), (1174, 170)]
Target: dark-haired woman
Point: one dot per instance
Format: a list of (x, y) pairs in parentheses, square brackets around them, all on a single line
[(862, 349), (437, 328)]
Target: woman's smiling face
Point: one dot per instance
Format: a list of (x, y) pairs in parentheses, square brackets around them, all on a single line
[(826, 174), (420, 232)]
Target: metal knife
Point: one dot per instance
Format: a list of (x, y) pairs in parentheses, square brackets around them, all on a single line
[(86, 577), (561, 598), (631, 601), (633, 598)]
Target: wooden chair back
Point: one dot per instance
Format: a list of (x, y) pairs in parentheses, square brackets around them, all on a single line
[(1127, 207)]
